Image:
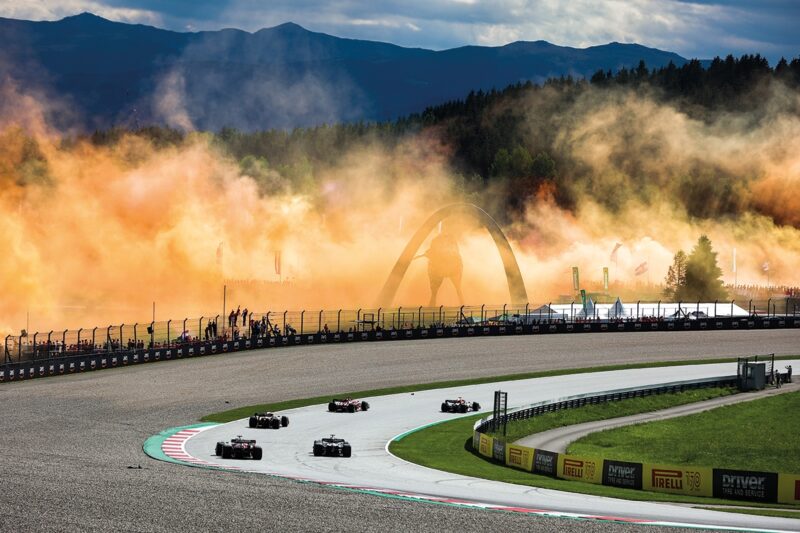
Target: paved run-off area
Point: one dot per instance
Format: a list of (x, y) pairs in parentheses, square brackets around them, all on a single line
[(68, 442)]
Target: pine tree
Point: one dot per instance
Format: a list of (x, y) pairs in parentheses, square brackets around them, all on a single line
[(703, 276), (676, 276)]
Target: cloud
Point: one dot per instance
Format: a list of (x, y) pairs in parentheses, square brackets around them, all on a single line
[(697, 28)]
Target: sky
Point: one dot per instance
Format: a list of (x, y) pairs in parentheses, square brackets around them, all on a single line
[(698, 28)]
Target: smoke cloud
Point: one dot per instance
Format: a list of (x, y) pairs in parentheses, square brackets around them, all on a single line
[(93, 235)]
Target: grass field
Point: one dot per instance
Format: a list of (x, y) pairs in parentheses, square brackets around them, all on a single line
[(761, 434), (448, 446), (590, 413)]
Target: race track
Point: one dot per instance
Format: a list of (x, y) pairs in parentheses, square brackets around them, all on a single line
[(68, 441), (287, 451)]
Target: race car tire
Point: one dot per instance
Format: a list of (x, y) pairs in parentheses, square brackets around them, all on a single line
[(253, 421), (319, 450), (462, 408), (476, 406), (227, 452), (257, 453), (218, 449), (351, 408), (284, 421), (364, 406), (275, 423), (444, 407), (346, 451), (331, 407)]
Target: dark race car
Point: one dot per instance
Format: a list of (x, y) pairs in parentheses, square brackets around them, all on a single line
[(459, 406), (268, 420), (347, 404), (239, 448), (332, 446)]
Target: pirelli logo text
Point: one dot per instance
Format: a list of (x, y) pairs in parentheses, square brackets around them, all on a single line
[(572, 468), (486, 447), (667, 479), (515, 457)]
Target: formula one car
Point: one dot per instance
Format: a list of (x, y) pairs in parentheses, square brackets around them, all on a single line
[(347, 404), (332, 446), (268, 420), (459, 406), (239, 448)]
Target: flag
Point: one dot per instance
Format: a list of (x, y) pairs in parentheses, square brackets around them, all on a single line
[(614, 251), (641, 269), (278, 263)]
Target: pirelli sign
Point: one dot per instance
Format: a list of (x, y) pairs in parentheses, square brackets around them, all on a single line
[(587, 469), (519, 457), (789, 488), (695, 481), (485, 447)]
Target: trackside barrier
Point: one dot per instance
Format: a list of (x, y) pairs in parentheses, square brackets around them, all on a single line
[(753, 486), (12, 370)]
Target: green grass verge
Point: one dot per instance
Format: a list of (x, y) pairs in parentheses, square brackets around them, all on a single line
[(756, 435), (447, 446), (242, 412), (761, 512), (590, 413)]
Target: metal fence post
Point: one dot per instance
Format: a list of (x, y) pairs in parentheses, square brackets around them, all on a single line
[(400, 310), (79, 339), (505, 318), (549, 310), (49, 344), (658, 309), (571, 315), (419, 316), (284, 322), (120, 335), (440, 313), (302, 313), (35, 348), (482, 306), (108, 338), (358, 319), (169, 341), (749, 307), (135, 337), (200, 329), (338, 321), (378, 320), (94, 337), (64, 341), (732, 308), (319, 322), (183, 333), (769, 302), (637, 309), (152, 334)]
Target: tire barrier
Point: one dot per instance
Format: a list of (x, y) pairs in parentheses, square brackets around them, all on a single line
[(728, 484), (65, 363)]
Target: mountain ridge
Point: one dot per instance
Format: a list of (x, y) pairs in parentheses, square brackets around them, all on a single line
[(114, 73)]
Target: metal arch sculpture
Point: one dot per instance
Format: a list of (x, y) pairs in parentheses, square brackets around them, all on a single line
[(516, 287)]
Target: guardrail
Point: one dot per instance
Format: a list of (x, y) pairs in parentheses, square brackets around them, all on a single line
[(580, 400), (36, 363), (766, 487)]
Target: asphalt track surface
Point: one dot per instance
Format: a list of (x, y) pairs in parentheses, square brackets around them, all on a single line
[(68, 442)]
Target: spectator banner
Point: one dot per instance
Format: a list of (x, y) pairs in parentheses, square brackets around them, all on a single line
[(789, 488), (578, 468), (519, 457), (694, 480), (545, 463), (485, 445), (622, 474), (745, 485)]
